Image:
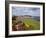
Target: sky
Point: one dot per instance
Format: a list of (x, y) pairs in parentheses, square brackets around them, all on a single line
[(17, 11)]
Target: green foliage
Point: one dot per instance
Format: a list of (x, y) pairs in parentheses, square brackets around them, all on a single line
[(32, 24), (29, 24)]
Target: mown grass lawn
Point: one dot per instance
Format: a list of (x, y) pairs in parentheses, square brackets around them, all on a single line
[(31, 24)]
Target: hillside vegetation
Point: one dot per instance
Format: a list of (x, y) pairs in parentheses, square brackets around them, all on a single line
[(26, 24)]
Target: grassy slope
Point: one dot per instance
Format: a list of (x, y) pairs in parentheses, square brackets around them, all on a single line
[(32, 24)]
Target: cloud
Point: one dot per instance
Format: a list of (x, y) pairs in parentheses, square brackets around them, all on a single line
[(26, 11)]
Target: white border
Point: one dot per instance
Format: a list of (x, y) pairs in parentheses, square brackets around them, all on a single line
[(25, 32)]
